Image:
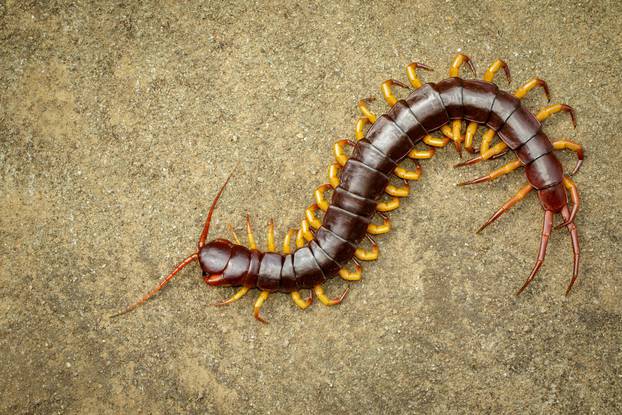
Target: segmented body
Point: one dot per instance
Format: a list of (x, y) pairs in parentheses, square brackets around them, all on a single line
[(365, 176)]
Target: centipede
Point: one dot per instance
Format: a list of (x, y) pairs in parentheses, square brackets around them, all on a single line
[(369, 177)]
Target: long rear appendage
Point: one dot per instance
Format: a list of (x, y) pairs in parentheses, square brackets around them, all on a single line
[(488, 152)]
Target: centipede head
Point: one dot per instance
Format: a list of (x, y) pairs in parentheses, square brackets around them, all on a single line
[(223, 263), (212, 256)]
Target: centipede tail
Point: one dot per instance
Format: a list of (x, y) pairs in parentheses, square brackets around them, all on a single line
[(331, 238)]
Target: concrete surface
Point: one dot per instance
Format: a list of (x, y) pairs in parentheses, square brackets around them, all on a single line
[(118, 123)]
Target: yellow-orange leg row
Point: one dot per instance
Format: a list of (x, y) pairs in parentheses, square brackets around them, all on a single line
[(387, 92), (454, 71), (510, 167), (524, 191), (572, 146)]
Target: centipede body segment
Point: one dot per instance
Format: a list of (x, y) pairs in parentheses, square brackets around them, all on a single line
[(362, 191)]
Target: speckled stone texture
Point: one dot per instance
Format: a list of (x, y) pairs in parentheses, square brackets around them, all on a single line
[(120, 120)]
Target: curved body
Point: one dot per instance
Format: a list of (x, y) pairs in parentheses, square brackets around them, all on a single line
[(360, 182), (366, 174)]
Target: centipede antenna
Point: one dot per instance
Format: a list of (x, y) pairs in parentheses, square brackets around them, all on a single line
[(205, 230), (161, 285)]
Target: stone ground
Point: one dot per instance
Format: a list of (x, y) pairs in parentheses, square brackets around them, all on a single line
[(118, 123)]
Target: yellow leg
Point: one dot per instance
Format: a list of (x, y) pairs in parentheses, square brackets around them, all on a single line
[(271, 247), (488, 76), (495, 174), (496, 150), (531, 84), (320, 199), (421, 154), (387, 92), (300, 302), (300, 239), (287, 240), (436, 141), (239, 294), (306, 230), (459, 60), (389, 205), (359, 130), (263, 295), (235, 236), (374, 229), (249, 232), (572, 146), (456, 135), (405, 174), (319, 293), (494, 68), (366, 112), (469, 135), (402, 191), (411, 72), (446, 130), (311, 218), (368, 255), (454, 71), (340, 154), (554, 109), (333, 175), (347, 275)]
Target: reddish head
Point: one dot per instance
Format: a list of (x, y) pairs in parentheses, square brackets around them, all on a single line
[(213, 258)]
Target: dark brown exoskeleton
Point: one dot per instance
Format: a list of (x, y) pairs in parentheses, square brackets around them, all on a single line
[(359, 182)]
